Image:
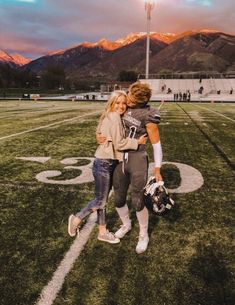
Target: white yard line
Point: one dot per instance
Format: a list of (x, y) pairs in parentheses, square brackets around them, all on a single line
[(50, 291), (159, 107), (49, 125), (216, 113)]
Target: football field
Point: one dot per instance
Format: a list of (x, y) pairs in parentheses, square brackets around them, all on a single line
[(46, 152)]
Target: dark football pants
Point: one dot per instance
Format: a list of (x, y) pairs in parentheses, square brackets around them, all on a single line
[(132, 171)]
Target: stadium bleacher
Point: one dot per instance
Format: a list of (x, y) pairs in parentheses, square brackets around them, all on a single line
[(210, 88)]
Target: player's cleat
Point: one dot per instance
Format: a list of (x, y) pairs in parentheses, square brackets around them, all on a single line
[(124, 229), (142, 244), (72, 226), (108, 237)]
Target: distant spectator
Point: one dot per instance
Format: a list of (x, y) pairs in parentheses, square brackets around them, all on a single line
[(218, 91), (231, 91), (200, 80), (188, 96), (200, 91), (180, 96), (164, 87), (169, 90)]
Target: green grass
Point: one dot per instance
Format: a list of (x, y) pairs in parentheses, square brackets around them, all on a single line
[(190, 255), (17, 92)]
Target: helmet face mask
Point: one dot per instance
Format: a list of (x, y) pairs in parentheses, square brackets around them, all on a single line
[(156, 197)]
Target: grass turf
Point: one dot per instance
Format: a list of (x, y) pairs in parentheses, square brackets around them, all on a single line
[(190, 255)]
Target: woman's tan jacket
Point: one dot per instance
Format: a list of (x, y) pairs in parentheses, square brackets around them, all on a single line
[(111, 127)]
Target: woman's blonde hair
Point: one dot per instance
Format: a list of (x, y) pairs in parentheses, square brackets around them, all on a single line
[(141, 92), (111, 102)]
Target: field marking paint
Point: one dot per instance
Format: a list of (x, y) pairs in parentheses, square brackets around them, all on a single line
[(84, 177), (191, 178), (35, 159), (216, 113), (50, 291), (37, 110), (160, 106), (49, 125)]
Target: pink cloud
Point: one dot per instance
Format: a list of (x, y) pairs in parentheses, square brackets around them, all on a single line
[(58, 24)]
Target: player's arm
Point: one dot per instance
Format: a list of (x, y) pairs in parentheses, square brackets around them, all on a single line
[(154, 137)]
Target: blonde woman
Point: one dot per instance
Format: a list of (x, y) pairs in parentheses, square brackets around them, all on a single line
[(107, 156)]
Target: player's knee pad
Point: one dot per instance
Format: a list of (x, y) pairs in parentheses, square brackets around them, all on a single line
[(138, 202), (119, 198), (120, 202), (139, 206)]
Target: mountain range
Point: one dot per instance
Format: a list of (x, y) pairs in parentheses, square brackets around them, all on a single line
[(14, 60), (205, 50)]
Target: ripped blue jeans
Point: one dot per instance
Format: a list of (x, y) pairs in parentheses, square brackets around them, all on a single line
[(103, 172)]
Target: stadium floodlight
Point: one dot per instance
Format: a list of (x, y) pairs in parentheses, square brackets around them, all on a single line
[(149, 5)]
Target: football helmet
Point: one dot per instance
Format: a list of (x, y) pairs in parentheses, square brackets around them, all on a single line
[(156, 197)]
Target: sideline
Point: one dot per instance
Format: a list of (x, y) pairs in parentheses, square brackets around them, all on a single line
[(49, 125), (228, 118)]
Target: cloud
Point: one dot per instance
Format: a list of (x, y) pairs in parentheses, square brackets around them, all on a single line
[(27, 1), (57, 24), (201, 2)]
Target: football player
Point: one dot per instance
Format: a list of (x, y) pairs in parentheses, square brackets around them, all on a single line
[(138, 120)]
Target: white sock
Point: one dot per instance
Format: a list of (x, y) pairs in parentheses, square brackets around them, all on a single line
[(123, 213), (143, 218)]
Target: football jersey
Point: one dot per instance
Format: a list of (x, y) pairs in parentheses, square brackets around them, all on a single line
[(135, 120)]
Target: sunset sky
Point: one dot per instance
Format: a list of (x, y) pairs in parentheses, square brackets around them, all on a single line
[(33, 28)]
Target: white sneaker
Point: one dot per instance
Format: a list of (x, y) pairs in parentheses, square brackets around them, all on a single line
[(122, 231), (142, 244), (109, 238)]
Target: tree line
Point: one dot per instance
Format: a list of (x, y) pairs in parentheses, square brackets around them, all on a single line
[(52, 77)]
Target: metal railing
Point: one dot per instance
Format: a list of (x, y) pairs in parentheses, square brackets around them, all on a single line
[(189, 75)]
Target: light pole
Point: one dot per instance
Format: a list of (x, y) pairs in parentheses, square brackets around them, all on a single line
[(149, 5)]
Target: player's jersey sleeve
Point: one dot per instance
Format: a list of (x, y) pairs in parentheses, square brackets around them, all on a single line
[(153, 116)]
